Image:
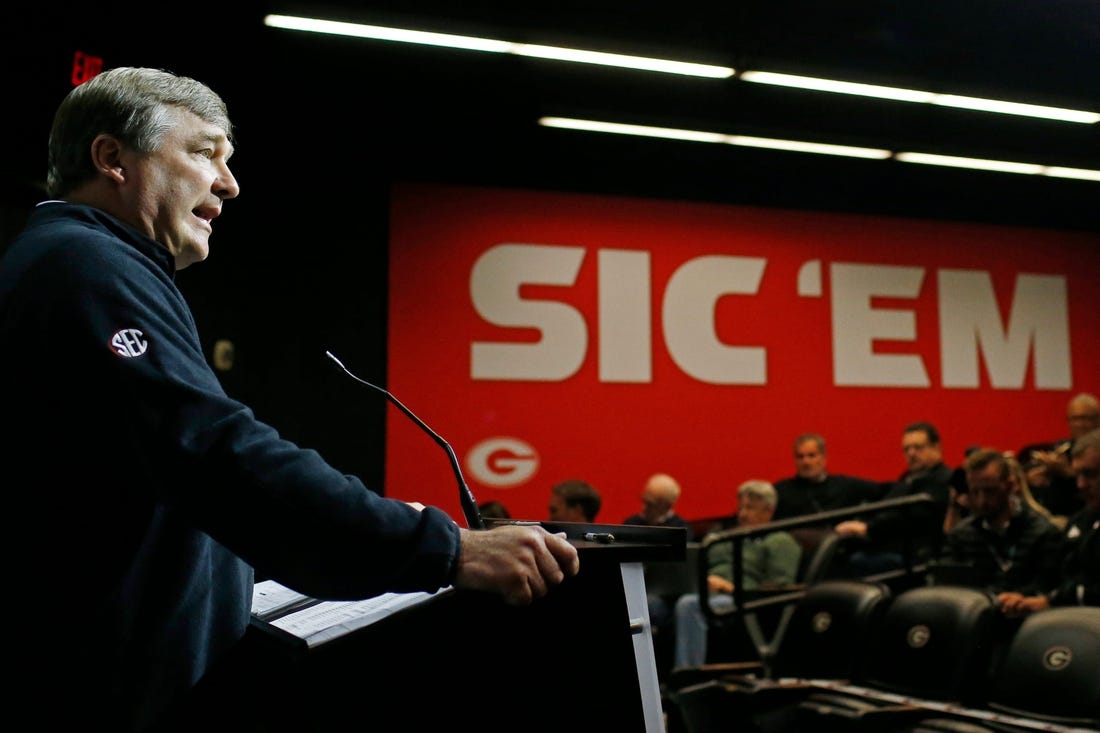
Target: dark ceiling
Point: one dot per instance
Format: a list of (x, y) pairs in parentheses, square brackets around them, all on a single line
[(349, 109)]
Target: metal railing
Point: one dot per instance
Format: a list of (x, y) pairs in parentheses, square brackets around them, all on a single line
[(741, 601)]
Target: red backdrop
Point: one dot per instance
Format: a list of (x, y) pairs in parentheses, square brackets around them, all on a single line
[(548, 336)]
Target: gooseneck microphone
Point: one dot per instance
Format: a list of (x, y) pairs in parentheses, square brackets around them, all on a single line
[(466, 497)]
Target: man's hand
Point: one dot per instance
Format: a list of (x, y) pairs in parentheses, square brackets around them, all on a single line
[(519, 562), (718, 584), (852, 527), (1015, 604), (1048, 465)]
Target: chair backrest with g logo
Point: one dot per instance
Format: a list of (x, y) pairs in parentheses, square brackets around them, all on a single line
[(936, 643), (1051, 668), (933, 645), (824, 637)]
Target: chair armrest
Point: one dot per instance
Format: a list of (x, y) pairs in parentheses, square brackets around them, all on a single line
[(681, 677)]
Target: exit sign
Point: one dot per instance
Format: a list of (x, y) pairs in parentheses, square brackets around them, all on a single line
[(85, 67)]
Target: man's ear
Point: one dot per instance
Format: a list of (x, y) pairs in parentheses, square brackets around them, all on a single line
[(107, 157)]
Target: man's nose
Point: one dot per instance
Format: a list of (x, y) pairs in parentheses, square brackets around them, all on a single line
[(226, 185)]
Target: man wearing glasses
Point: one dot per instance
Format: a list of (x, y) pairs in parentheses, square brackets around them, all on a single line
[(883, 535)]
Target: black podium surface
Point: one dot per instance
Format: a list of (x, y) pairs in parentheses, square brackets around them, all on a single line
[(581, 656)]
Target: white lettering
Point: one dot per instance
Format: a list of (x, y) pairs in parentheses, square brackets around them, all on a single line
[(969, 321), (129, 342), (688, 315), (494, 289), (809, 279), (1038, 324), (856, 325), (626, 348)]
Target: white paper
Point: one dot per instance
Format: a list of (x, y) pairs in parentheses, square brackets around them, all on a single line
[(326, 620)]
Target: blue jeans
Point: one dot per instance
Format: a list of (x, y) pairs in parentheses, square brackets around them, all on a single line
[(691, 627), (863, 563), (660, 613)]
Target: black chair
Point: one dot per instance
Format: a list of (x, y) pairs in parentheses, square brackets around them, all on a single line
[(1048, 678), (821, 640), (749, 630), (819, 549), (754, 634), (1051, 669), (934, 644)]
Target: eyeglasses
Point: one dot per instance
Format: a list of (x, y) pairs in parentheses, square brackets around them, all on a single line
[(914, 447)]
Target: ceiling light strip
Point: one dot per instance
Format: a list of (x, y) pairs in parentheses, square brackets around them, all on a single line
[(670, 133), (1082, 174), (1001, 166), (798, 146), (914, 95), (490, 45), (382, 33), (1015, 108), (953, 161), (642, 63), (617, 128), (836, 87)]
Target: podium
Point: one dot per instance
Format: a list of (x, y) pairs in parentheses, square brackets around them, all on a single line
[(581, 656)]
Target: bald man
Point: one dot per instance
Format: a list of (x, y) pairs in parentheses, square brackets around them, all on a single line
[(659, 498), (658, 504), (1049, 474)]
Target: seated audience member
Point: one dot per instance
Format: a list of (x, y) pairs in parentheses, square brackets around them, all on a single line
[(494, 510), (768, 560), (1004, 545), (958, 499), (1049, 473), (887, 531), (813, 489), (659, 497), (958, 505), (1080, 560), (1019, 477), (574, 500)]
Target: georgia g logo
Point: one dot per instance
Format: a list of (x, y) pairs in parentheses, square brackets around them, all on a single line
[(1057, 658), (129, 342), (502, 462), (918, 636)]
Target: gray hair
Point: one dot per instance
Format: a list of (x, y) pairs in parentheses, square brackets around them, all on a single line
[(760, 490), (135, 105)]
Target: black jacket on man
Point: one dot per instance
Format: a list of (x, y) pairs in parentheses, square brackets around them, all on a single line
[(800, 496), (1080, 577), (922, 523), (1025, 556), (141, 496)]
